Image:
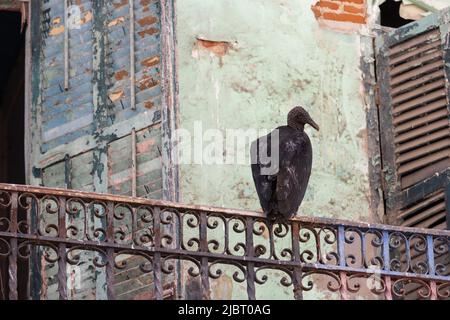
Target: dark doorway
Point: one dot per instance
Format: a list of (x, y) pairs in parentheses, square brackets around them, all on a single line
[(12, 102), (390, 14)]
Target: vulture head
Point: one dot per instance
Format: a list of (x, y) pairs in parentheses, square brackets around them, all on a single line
[(298, 117)]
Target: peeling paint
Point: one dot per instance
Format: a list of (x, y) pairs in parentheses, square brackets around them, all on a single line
[(56, 30), (116, 21)]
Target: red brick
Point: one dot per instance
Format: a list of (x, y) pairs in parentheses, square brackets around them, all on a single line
[(354, 9), (347, 17), (353, 1), (328, 4)]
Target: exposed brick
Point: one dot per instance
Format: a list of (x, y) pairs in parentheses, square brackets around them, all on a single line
[(334, 5), (354, 9), (344, 17), (352, 1)]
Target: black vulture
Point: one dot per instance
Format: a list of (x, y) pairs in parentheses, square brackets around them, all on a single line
[(281, 180)]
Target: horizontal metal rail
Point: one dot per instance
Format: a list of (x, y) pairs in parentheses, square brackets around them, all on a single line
[(309, 254)]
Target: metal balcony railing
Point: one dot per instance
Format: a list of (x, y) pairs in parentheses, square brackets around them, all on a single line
[(342, 258)]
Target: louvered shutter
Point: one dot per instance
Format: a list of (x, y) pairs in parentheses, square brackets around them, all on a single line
[(95, 85), (412, 76)]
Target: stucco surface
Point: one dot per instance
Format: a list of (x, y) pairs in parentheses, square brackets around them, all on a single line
[(275, 57)]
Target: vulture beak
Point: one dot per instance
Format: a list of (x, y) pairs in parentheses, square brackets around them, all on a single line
[(313, 124)]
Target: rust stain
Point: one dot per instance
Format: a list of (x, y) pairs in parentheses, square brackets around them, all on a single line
[(149, 104), (120, 4), (116, 21), (121, 75), (145, 2), (57, 30), (218, 48), (150, 32), (147, 82), (116, 95), (146, 21), (145, 146), (56, 21), (150, 62)]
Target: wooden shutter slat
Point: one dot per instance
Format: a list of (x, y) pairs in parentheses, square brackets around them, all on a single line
[(433, 45), (412, 64), (424, 173), (439, 84), (424, 161), (415, 73), (405, 157), (430, 212), (421, 131), (421, 205), (419, 111), (417, 82), (404, 46), (419, 101), (423, 140), (430, 221), (410, 125)]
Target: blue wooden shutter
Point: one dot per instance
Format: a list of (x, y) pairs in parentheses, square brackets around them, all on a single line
[(412, 74)]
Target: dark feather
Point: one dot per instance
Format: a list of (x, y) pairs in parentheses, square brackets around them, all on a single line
[(281, 192)]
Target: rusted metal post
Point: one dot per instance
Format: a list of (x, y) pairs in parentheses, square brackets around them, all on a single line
[(62, 271), (157, 274), (297, 274), (433, 288), (388, 283), (132, 58), (12, 260), (251, 292), (110, 291), (204, 269)]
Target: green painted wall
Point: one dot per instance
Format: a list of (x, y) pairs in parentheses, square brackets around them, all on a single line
[(279, 57)]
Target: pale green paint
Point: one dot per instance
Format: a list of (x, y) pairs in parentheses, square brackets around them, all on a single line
[(280, 58)]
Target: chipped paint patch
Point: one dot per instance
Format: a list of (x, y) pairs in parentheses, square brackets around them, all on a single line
[(56, 30), (145, 145), (218, 48), (150, 32), (116, 21), (149, 104), (87, 17), (150, 62), (147, 82), (120, 4), (120, 75), (116, 95), (147, 21)]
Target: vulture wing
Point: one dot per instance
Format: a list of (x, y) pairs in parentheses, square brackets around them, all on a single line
[(294, 172), (265, 184)]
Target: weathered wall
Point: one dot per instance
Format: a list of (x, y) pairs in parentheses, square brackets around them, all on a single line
[(81, 137), (245, 64), (277, 57)]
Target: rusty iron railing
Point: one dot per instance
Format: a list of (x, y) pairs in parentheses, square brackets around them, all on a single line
[(339, 257)]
